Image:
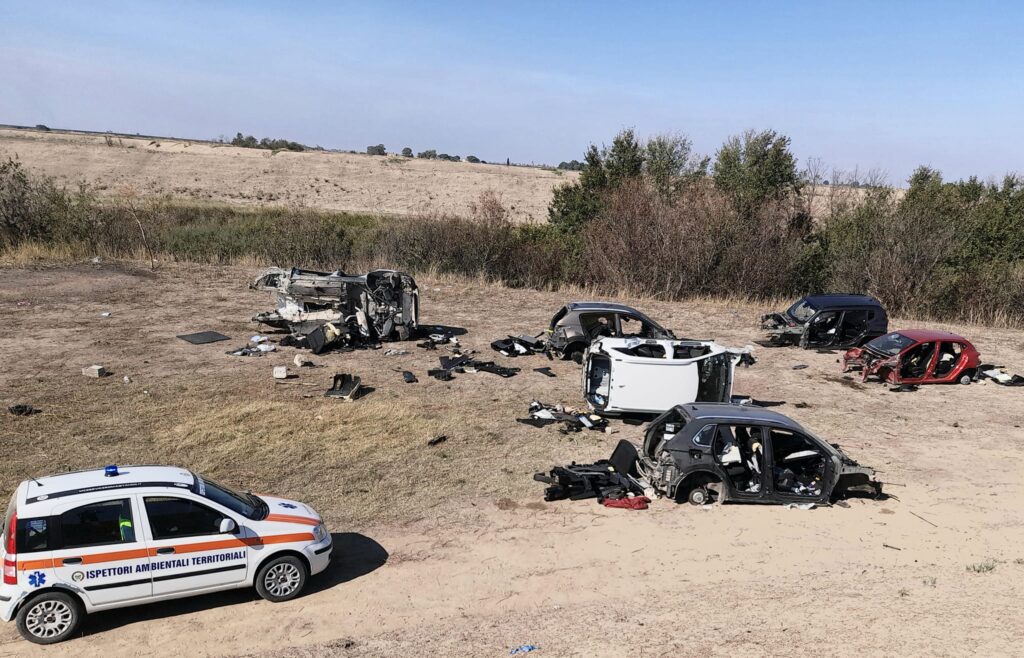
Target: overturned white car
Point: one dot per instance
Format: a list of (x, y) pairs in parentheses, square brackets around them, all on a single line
[(636, 375)]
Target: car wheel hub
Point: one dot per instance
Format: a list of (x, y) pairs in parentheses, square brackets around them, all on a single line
[(282, 579), (48, 619)]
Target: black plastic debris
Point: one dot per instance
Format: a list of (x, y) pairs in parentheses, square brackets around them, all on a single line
[(345, 387), (464, 363), (24, 410), (409, 377), (437, 440), (441, 338), (542, 415), (519, 345), (441, 374), (903, 388), (546, 371), (203, 337), (612, 478), (800, 366)]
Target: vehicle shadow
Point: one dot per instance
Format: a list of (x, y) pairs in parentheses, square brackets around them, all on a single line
[(354, 556)]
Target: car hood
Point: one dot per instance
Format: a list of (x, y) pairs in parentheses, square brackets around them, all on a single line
[(290, 511)]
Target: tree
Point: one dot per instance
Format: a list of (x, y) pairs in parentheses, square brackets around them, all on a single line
[(429, 154), (593, 175), (376, 150), (407, 152), (473, 159), (573, 206), (625, 158), (670, 163), (754, 168)]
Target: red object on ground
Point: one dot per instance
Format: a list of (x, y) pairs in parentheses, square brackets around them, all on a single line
[(639, 502)]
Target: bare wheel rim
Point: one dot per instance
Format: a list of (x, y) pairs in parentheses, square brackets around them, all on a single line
[(48, 619), (282, 579)]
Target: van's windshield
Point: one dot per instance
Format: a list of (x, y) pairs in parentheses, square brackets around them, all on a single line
[(248, 505)]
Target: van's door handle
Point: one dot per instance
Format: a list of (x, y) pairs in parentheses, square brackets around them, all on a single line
[(167, 550), (71, 560)]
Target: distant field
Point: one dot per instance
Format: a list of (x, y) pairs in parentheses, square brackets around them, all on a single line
[(206, 171)]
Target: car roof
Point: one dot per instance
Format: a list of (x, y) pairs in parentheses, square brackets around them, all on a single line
[(63, 485), (742, 412), (930, 334), (601, 306), (841, 300)]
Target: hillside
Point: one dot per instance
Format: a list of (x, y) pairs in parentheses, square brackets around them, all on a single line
[(208, 171)]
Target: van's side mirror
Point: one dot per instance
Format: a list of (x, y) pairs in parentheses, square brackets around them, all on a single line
[(227, 526)]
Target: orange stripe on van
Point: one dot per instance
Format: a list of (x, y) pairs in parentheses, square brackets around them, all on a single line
[(115, 556), (289, 518)]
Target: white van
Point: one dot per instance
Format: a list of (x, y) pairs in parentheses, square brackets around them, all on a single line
[(75, 543)]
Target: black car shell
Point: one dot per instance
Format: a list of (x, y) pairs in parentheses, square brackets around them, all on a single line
[(576, 324), (827, 321), (710, 451)]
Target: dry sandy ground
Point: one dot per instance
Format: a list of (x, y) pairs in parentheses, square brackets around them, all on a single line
[(328, 181), (451, 551)]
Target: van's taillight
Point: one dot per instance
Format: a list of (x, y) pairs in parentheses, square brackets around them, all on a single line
[(10, 559)]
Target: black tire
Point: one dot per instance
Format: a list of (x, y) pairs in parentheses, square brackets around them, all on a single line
[(50, 618), (967, 377), (576, 354), (281, 578)]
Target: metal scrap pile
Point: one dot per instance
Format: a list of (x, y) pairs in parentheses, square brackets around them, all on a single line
[(331, 310), (542, 415)]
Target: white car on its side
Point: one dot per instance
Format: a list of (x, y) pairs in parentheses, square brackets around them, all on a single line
[(76, 543), (653, 375)]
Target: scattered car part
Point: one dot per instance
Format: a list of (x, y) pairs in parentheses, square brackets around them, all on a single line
[(542, 415), (745, 454), (633, 375), (409, 377), (829, 320), (323, 310), (1000, 376), (441, 374), (608, 478), (281, 372), (577, 324), (251, 349), (634, 502), (23, 410), (914, 357), (301, 361), (437, 440), (203, 337), (344, 386), (546, 371), (519, 345)]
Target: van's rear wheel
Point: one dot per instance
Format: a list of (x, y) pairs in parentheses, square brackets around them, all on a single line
[(49, 618), (699, 496), (281, 579)]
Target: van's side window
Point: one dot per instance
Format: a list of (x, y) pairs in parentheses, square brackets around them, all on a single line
[(95, 524), (178, 517)]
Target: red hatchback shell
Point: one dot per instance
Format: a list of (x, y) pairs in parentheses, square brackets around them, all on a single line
[(934, 357)]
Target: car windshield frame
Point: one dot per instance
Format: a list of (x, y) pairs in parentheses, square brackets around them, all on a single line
[(902, 343), (248, 505), (791, 311)]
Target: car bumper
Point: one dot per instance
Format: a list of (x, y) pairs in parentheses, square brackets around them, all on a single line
[(10, 597), (319, 555)]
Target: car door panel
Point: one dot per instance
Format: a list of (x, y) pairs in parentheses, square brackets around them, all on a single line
[(188, 551), (102, 555)]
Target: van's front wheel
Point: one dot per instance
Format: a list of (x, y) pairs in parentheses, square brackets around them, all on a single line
[(281, 579), (49, 618)]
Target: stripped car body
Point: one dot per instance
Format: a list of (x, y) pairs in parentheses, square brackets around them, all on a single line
[(827, 321), (326, 309), (633, 375), (577, 324), (916, 356), (706, 452)]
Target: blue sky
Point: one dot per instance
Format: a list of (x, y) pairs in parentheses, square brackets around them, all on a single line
[(881, 85)]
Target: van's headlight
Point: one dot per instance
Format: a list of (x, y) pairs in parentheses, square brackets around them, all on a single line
[(320, 533)]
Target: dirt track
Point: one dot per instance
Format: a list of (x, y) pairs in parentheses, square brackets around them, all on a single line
[(450, 551), (202, 171)]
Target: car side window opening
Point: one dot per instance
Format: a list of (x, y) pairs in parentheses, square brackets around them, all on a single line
[(634, 326), (949, 357), (739, 450), (915, 362), (597, 326), (171, 517), (854, 324), (96, 524), (825, 322), (798, 465), (706, 437)]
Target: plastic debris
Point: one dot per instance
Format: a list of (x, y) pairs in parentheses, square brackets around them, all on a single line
[(95, 371), (800, 506), (280, 372), (437, 440), (345, 387), (523, 648), (23, 410)]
